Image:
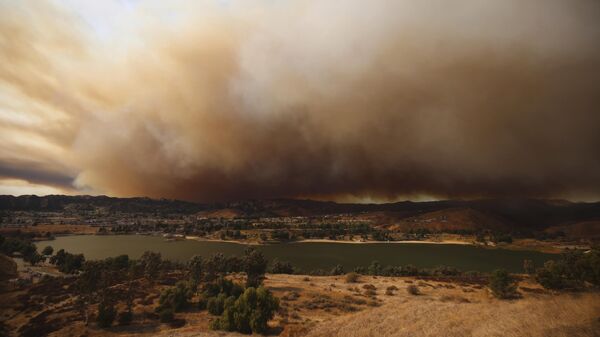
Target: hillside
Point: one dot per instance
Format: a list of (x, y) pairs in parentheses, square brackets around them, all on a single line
[(493, 214), (91, 203), (451, 219), (584, 229)]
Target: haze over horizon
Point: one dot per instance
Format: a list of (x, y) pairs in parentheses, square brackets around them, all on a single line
[(347, 101)]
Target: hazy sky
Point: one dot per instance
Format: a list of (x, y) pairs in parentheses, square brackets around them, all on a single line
[(346, 100)]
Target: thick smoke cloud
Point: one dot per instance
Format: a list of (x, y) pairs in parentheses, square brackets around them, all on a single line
[(330, 99)]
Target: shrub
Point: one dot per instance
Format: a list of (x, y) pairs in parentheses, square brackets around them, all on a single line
[(125, 318), (202, 303), (176, 298), (571, 271), (502, 284), (66, 262), (337, 270), (249, 313), (352, 277), (166, 315), (279, 267), (216, 305), (390, 290), (413, 290), (528, 267), (370, 292), (196, 270), (369, 287), (48, 250), (255, 266), (223, 286), (374, 268), (555, 275), (106, 314)]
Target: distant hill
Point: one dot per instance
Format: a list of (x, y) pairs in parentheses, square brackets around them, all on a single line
[(89, 203), (501, 214), (497, 213), (583, 229), (451, 219)]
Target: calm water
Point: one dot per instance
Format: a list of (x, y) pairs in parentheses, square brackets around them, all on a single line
[(307, 255)]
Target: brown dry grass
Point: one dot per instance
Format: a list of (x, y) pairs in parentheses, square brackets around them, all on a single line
[(550, 315), (327, 306)]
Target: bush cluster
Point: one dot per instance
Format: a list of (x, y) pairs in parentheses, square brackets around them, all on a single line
[(571, 271), (249, 313), (502, 284)]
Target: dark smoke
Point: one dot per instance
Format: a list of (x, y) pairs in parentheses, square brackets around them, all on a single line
[(375, 99)]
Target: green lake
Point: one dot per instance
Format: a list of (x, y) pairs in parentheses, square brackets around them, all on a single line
[(307, 255)]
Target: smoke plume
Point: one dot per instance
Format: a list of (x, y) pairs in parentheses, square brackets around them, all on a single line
[(330, 99)]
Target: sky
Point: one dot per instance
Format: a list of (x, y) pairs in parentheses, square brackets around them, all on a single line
[(338, 100)]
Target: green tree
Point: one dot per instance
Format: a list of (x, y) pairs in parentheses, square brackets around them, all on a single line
[(502, 284), (33, 258), (48, 250), (374, 268), (216, 305), (106, 313), (151, 263), (196, 268), (125, 317), (166, 315), (337, 270), (250, 313), (176, 297), (279, 267), (214, 267), (571, 271), (255, 266), (528, 267)]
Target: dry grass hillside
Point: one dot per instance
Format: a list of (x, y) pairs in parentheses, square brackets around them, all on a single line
[(564, 315), (330, 307), (450, 220), (225, 213), (584, 229)]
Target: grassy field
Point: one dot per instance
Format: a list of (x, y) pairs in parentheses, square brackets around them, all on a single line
[(328, 306)]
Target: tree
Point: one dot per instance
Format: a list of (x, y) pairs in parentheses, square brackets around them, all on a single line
[(33, 258), (58, 258), (502, 284), (66, 262), (571, 271), (279, 267), (106, 313), (196, 269), (48, 250), (72, 263), (166, 315), (125, 317), (374, 268), (214, 267), (216, 305), (255, 266), (176, 298), (151, 263), (249, 313), (337, 270), (528, 267)]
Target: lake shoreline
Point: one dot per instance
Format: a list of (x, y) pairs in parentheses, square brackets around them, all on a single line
[(254, 243), (520, 245)]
